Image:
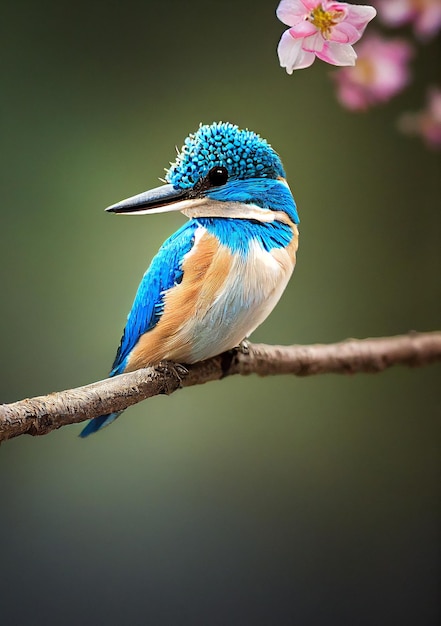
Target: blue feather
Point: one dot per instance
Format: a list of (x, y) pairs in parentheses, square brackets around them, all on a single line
[(238, 234), (98, 423), (244, 153), (267, 193), (164, 272)]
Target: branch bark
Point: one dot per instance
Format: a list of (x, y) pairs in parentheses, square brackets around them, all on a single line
[(41, 415)]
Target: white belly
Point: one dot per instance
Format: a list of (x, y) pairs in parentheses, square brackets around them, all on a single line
[(221, 300), (251, 291)]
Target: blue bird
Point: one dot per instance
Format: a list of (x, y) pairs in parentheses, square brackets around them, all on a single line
[(216, 279)]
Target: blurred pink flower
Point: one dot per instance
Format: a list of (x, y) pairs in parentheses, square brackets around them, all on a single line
[(426, 123), (425, 15), (324, 29), (380, 73)]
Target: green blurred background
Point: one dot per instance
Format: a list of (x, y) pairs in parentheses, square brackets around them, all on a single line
[(250, 501)]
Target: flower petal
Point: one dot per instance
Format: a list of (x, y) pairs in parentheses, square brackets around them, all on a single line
[(289, 51), (350, 95), (291, 55), (359, 16), (314, 43), (303, 29), (310, 4), (340, 9), (337, 54), (395, 12), (344, 33), (306, 59), (290, 12)]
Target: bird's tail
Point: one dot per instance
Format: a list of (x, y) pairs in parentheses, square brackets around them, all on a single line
[(98, 423)]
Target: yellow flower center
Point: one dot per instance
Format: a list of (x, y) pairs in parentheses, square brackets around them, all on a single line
[(324, 20)]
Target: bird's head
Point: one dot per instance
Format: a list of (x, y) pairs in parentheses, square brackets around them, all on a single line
[(221, 171)]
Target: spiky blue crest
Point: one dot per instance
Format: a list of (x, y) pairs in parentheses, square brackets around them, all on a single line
[(244, 153)]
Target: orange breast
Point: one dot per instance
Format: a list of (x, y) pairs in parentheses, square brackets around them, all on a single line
[(205, 270)]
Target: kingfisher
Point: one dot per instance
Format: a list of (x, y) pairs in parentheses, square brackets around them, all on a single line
[(216, 279)]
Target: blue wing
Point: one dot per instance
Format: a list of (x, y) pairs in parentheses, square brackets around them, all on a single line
[(164, 272)]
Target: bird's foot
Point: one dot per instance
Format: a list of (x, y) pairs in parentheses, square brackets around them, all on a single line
[(244, 347), (171, 371), (230, 357)]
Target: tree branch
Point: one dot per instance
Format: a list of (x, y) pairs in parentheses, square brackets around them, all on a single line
[(41, 415)]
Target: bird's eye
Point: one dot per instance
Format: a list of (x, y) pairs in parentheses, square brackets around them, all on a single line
[(218, 176)]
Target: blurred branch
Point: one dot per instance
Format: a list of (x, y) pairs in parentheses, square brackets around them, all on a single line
[(41, 415)]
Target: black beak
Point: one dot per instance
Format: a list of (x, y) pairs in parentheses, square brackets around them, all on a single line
[(157, 200)]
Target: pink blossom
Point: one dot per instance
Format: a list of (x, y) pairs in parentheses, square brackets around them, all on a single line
[(324, 29), (380, 73), (425, 15), (426, 123)]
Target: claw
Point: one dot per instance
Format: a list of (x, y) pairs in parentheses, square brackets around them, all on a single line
[(176, 370), (244, 347)]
